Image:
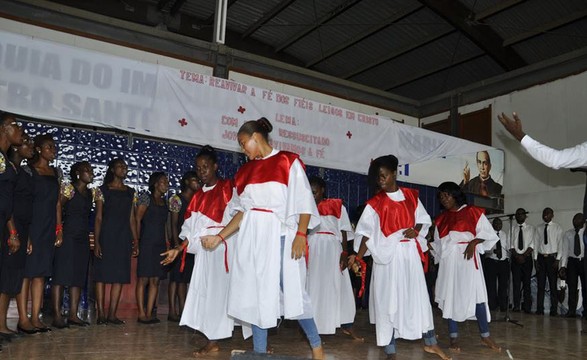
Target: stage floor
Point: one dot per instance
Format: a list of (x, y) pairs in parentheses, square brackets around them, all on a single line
[(542, 337)]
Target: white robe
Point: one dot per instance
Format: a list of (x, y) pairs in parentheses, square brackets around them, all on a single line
[(254, 296), (205, 307), (399, 297), (330, 290), (460, 286)]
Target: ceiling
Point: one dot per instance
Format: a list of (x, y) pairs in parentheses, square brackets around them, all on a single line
[(413, 48)]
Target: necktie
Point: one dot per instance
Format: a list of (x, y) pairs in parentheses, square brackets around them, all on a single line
[(521, 239), (498, 251), (577, 249), (545, 234)]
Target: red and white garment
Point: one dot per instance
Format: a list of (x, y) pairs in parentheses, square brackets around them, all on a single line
[(330, 289), (205, 308), (398, 301), (460, 285), (272, 193)]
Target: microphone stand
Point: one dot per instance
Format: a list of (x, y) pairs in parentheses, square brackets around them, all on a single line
[(507, 318)]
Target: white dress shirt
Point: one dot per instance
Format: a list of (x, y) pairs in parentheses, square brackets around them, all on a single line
[(505, 246), (566, 158), (568, 246), (529, 233), (555, 237)]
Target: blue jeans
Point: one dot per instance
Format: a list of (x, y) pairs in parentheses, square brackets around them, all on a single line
[(480, 314), (308, 325), (429, 339)]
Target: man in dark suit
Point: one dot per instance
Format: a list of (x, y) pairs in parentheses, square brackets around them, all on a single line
[(481, 184)]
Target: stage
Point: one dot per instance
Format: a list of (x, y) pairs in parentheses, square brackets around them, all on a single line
[(542, 337)]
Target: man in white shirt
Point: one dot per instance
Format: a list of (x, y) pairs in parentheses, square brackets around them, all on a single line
[(522, 245), (572, 263), (572, 157), (547, 255), (497, 269)]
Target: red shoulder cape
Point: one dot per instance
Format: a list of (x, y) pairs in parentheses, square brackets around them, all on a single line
[(395, 215), (213, 202), (330, 207), (464, 220), (275, 168)]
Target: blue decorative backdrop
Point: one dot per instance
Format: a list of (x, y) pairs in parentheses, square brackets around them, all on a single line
[(144, 156)]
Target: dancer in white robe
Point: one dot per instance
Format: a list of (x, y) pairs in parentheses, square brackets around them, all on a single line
[(275, 210), (207, 298), (462, 233), (393, 228), (329, 283)]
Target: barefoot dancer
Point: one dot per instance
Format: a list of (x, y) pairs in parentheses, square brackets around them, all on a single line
[(462, 234), (329, 283), (275, 209), (206, 303), (393, 228)]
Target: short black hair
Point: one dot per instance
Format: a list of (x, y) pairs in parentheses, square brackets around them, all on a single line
[(316, 180), (209, 152), (453, 190), (186, 176), (389, 162), (154, 178)]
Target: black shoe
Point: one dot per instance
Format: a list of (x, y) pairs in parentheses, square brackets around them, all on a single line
[(6, 336), (101, 321), (553, 313), (59, 324), (540, 312), (173, 318), (78, 323), (115, 321), (154, 321), (145, 322), (516, 309), (44, 329), (25, 331), (571, 314)]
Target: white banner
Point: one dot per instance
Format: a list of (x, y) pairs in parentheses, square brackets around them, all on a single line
[(52, 81)]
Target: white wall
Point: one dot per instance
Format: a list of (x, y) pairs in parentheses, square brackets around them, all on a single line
[(555, 114)]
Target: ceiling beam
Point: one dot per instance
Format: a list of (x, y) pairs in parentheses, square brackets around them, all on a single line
[(575, 16), (398, 16), (459, 16), (381, 60), (433, 70), (496, 9), (341, 8), (266, 17)]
